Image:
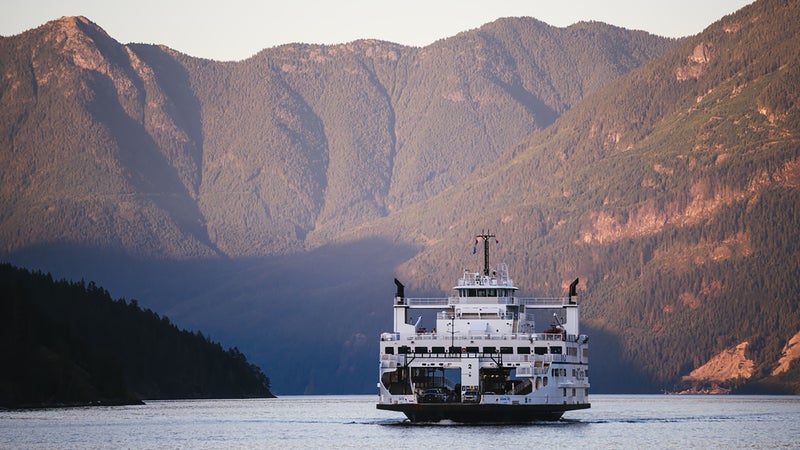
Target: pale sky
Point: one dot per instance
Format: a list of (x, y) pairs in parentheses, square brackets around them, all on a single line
[(236, 29)]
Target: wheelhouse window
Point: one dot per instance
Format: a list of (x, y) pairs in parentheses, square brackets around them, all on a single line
[(437, 349), (523, 350), (389, 350), (489, 350), (420, 349), (540, 350), (403, 350), (507, 350)]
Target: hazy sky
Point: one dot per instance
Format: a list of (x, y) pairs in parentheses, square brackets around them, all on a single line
[(237, 29)]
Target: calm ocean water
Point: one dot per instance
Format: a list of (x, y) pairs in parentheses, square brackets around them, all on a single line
[(614, 421)]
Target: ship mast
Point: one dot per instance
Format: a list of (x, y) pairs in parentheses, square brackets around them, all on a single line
[(485, 237)]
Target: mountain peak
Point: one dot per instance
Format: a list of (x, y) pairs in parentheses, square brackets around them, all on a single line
[(73, 20), (88, 45), (74, 25)]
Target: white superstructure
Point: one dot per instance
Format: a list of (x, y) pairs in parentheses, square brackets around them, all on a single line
[(484, 360)]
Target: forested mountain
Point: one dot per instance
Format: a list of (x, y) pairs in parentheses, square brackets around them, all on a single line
[(272, 200), (672, 194), (69, 343), (140, 149)]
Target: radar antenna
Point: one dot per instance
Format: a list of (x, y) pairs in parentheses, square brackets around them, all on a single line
[(485, 236)]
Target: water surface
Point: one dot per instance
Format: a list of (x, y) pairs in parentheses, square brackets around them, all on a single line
[(614, 421)]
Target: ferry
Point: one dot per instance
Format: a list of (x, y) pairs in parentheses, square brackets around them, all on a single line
[(484, 361)]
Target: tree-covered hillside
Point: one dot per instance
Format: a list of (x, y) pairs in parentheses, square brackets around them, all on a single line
[(68, 343), (139, 149), (672, 194)]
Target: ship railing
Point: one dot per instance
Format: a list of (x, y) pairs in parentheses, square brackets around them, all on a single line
[(506, 301), (390, 336), (445, 336), (489, 315), (421, 301), (481, 300), (508, 359), (528, 371), (548, 337), (546, 302), (433, 336), (476, 279), (531, 302)]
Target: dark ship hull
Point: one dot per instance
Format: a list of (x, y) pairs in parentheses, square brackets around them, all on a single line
[(481, 413)]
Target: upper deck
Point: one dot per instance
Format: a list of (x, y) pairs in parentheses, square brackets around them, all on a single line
[(446, 302), (498, 278), (484, 303)]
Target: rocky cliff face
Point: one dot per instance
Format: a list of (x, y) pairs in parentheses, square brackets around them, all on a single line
[(729, 370), (790, 354), (730, 365)]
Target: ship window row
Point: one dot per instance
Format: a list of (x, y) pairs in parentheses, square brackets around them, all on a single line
[(485, 292), (404, 350), (574, 392), (562, 372)]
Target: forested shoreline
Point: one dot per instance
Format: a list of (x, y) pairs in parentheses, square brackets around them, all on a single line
[(67, 343)]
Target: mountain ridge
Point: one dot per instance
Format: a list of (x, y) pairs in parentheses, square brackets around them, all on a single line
[(172, 146)]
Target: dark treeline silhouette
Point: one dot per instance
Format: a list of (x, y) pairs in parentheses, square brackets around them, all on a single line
[(70, 343)]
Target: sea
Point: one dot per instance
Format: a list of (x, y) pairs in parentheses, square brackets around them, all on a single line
[(323, 422)]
